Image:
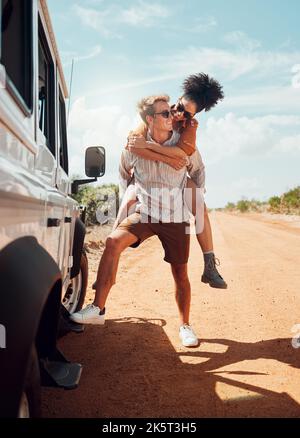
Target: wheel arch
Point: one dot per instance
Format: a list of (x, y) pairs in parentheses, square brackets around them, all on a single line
[(79, 235), (30, 297)]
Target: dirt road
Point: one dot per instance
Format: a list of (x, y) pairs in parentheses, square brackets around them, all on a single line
[(245, 365)]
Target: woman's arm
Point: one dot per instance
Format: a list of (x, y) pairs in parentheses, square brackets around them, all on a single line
[(175, 162), (185, 146), (141, 143)]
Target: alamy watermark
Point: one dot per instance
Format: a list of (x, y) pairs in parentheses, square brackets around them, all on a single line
[(296, 76), (155, 205), (2, 336)]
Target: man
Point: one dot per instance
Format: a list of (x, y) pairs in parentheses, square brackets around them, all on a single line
[(160, 211), (200, 92)]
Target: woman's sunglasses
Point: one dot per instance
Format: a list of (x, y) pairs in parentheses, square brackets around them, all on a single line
[(179, 108)]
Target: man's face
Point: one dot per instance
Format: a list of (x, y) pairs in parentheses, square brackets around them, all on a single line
[(162, 119)]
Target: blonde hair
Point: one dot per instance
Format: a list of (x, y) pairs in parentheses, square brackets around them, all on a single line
[(146, 105)]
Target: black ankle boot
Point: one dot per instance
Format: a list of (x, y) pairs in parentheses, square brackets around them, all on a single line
[(211, 274)]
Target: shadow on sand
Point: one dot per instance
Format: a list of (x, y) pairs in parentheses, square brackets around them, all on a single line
[(132, 370)]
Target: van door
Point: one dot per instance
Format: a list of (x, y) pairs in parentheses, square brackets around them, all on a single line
[(46, 161), (64, 187)]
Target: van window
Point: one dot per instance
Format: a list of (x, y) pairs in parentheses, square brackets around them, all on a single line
[(46, 92), (16, 50), (63, 147)]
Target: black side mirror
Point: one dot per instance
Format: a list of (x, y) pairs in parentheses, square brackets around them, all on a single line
[(94, 166), (95, 161)]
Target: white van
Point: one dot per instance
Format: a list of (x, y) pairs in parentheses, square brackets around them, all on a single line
[(42, 262)]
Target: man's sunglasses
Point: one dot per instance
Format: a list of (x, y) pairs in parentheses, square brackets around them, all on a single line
[(165, 114)]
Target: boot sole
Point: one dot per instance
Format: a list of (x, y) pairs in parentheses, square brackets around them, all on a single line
[(211, 284)]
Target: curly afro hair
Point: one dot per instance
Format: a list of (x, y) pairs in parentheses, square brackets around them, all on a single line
[(203, 90)]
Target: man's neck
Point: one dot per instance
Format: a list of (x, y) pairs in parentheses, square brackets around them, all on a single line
[(160, 136)]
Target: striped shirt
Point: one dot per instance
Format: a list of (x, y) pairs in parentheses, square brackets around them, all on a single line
[(159, 187)]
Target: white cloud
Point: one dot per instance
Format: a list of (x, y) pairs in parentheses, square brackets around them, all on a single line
[(296, 76), (289, 144), (233, 136), (67, 57), (108, 21), (227, 63), (97, 20), (242, 41), (267, 99), (145, 14), (106, 126), (195, 26)]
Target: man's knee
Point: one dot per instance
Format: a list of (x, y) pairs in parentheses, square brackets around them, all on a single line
[(180, 273), (113, 245)]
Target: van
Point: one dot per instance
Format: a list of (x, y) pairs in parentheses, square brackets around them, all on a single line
[(42, 259)]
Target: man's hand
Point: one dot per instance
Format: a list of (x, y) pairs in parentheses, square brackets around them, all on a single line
[(177, 162), (137, 141)]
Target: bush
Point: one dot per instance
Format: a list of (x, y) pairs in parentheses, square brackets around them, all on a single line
[(230, 206), (100, 198), (243, 206), (275, 203), (291, 199)]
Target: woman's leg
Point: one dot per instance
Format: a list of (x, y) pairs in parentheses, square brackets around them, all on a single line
[(198, 209), (127, 206)]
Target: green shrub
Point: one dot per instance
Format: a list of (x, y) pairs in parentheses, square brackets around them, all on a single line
[(99, 197), (243, 206), (230, 206), (291, 199), (275, 203)]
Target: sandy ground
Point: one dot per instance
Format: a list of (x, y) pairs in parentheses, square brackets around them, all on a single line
[(245, 366)]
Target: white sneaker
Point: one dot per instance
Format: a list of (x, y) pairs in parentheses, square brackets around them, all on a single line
[(91, 314), (188, 336)]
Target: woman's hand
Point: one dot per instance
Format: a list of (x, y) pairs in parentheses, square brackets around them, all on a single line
[(177, 162), (137, 141)]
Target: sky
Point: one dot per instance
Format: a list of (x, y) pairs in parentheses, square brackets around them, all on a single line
[(125, 50)]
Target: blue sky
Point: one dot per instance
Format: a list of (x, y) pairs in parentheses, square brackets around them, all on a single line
[(124, 50)]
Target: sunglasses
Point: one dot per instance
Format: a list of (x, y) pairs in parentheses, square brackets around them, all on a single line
[(165, 114), (179, 108)]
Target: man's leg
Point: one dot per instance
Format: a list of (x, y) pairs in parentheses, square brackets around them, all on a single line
[(182, 292), (183, 299), (116, 242)]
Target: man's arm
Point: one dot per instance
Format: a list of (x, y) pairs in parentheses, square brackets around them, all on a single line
[(125, 169), (196, 169)]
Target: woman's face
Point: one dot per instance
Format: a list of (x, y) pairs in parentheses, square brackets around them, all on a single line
[(184, 109)]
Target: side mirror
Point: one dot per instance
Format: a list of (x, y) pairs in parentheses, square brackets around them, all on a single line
[(95, 161), (94, 167)]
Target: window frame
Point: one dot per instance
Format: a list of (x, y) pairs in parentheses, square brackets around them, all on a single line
[(25, 103), (62, 132), (42, 39)]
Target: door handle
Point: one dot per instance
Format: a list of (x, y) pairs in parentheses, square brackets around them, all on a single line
[(53, 222)]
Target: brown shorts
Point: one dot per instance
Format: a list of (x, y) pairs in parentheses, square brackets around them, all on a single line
[(173, 236)]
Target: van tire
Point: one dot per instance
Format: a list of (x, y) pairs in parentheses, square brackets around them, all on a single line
[(84, 272), (30, 402)]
